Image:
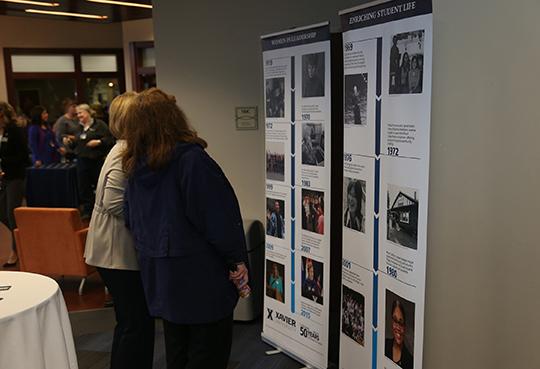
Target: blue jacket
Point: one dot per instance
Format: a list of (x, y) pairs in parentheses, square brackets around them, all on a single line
[(185, 222)]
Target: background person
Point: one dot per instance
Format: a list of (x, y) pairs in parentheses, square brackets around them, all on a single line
[(13, 161), (45, 149), (67, 125), (394, 348), (186, 226), (109, 247), (92, 142)]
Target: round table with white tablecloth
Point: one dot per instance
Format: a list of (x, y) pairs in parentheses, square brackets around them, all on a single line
[(35, 332)]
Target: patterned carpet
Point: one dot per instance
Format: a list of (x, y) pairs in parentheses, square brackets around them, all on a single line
[(92, 330)]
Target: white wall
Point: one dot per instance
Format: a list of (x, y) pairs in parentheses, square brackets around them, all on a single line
[(482, 287), (134, 31), (208, 55), (44, 33)]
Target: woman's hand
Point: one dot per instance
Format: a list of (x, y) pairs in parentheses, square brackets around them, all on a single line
[(62, 150), (93, 143), (67, 141), (241, 274), (38, 163)]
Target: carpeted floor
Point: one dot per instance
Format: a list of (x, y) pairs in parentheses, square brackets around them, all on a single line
[(92, 331)]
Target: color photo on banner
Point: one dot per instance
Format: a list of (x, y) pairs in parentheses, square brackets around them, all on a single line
[(313, 75), (356, 87), (313, 144), (354, 204), (352, 315), (275, 223), (275, 161), (275, 97), (313, 211), (407, 63), (312, 280), (399, 331), (402, 216), (275, 277)]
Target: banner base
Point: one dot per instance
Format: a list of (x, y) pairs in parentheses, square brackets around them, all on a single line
[(292, 354)]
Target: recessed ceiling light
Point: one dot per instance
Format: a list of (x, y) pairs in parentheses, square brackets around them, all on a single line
[(122, 3), (31, 2), (92, 16)]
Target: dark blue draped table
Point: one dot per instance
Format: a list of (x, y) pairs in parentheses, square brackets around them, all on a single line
[(52, 186)]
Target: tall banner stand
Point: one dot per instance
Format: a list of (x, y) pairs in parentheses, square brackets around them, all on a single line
[(298, 200), (387, 60)]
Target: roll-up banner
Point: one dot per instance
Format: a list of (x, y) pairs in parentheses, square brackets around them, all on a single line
[(297, 111), (387, 50)]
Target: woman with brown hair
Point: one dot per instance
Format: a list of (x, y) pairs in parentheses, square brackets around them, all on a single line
[(13, 161), (109, 248), (187, 228), (67, 125)]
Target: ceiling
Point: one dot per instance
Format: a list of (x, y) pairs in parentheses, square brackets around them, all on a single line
[(115, 13)]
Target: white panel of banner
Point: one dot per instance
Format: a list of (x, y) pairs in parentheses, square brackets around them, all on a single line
[(387, 51), (297, 122)]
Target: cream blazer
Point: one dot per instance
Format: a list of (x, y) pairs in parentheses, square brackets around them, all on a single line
[(109, 244)]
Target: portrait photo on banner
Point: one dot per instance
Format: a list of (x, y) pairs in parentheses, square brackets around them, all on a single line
[(275, 280), (275, 219), (354, 204), (356, 89), (313, 69), (312, 280), (399, 330), (275, 97), (313, 144)]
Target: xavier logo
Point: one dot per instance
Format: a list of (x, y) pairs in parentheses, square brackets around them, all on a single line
[(270, 311)]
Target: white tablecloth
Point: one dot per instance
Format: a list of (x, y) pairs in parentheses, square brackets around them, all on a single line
[(35, 332)]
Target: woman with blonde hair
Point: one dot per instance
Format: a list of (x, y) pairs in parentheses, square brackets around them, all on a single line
[(13, 162), (187, 228), (109, 247), (92, 142)]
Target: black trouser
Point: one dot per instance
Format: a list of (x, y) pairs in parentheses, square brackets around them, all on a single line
[(11, 196), (87, 179), (133, 341), (198, 346)]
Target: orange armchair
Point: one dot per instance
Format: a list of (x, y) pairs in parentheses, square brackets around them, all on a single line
[(52, 241)]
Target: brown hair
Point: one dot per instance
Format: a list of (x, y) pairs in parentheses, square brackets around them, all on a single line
[(155, 125), (67, 103), (9, 117), (117, 110)]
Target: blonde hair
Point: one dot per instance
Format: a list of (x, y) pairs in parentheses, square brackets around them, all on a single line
[(87, 109), (9, 117), (117, 113)]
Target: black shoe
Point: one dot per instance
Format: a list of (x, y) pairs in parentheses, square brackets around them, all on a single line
[(7, 265)]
